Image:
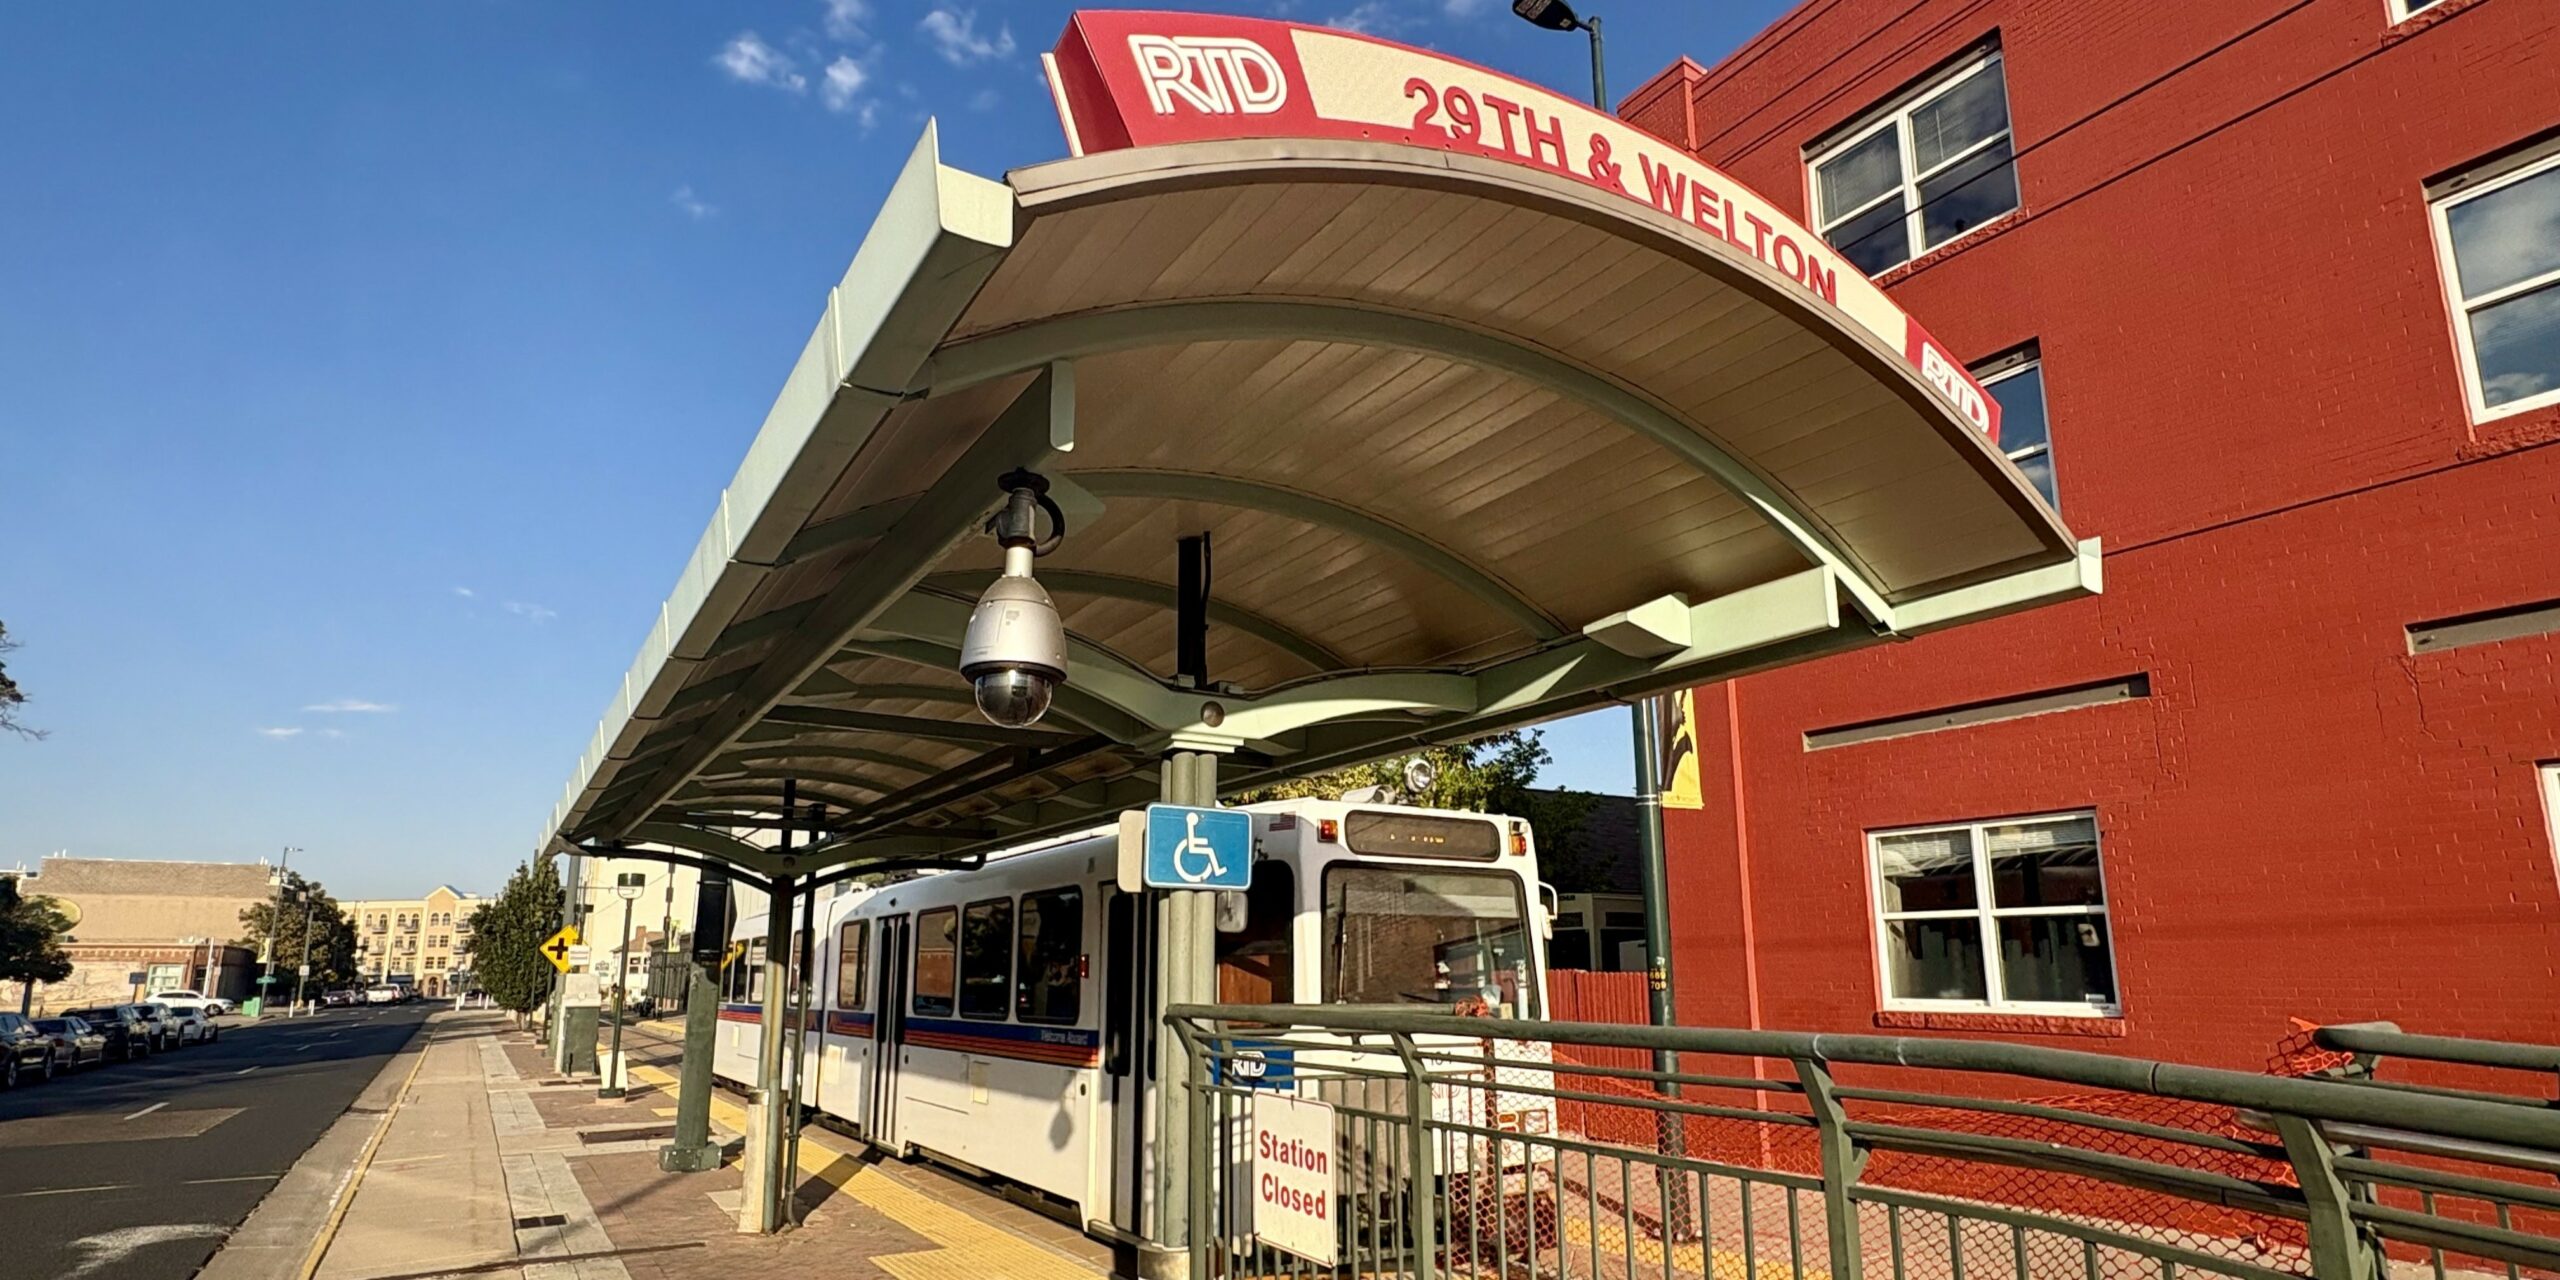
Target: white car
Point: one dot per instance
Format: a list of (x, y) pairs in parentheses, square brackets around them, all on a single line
[(382, 993), (192, 1023), (213, 1006)]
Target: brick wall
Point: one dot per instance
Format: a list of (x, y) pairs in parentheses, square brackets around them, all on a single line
[(2255, 402)]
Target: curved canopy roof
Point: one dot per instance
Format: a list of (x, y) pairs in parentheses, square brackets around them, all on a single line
[(1476, 446)]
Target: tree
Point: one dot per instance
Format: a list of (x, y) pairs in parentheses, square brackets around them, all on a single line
[(1489, 775), (508, 932), (332, 937), (32, 931), (12, 697)]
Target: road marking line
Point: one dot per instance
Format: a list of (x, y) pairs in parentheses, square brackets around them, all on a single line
[(246, 1070), (246, 1177), (64, 1191), (146, 1111)]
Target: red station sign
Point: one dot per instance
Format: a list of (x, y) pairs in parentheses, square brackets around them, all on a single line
[(1135, 79)]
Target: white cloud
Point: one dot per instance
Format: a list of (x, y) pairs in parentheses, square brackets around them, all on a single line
[(869, 115), (845, 78), (694, 207), (1371, 17), (532, 612), (333, 733), (845, 18), (287, 731), (955, 36), (354, 705), (749, 60), (466, 593), (984, 100), (1463, 9)]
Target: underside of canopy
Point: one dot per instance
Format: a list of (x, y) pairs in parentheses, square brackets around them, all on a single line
[(1475, 447)]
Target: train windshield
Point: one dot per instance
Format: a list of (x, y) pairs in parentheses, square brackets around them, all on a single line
[(1405, 935)]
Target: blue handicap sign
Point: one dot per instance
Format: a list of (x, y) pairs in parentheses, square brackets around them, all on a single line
[(1255, 1064), (1190, 848)]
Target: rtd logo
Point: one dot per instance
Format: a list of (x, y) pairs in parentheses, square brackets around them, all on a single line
[(1948, 377), (1217, 76)]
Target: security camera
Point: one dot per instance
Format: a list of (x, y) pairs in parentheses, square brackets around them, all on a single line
[(1015, 653)]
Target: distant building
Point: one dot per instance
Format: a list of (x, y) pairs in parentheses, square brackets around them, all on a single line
[(664, 908), (172, 923), (422, 941), (1597, 870)]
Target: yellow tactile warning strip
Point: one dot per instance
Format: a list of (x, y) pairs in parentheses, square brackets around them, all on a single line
[(968, 1248), (1730, 1264)]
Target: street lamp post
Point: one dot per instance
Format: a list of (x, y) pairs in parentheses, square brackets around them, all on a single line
[(267, 944), (1556, 15), (626, 886), (304, 973)]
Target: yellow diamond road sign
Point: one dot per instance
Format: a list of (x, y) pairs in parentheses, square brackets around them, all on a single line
[(556, 949)]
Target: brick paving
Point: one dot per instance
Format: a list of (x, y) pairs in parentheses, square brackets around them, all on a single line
[(577, 1177)]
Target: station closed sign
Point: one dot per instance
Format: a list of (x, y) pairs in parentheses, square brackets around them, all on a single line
[(1293, 1176)]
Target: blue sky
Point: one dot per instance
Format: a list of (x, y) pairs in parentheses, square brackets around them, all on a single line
[(367, 371)]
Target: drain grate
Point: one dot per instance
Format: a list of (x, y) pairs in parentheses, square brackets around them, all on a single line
[(542, 1220)]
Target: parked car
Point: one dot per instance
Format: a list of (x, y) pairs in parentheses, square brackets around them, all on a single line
[(337, 996), (384, 993), (213, 1006), (193, 1025), (25, 1053), (128, 1035), (75, 1043), (167, 1030)]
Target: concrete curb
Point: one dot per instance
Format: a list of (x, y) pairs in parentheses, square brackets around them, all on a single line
[(276, 1238)]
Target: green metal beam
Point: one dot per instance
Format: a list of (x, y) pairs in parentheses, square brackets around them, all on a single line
[(1028, 432), (1028, 346), (1307, 508), (1113, 586), (909, 726), (717, 776), (822, 751)]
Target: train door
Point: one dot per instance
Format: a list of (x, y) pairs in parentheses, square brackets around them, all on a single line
[(888, 1034), (1120, 1113)]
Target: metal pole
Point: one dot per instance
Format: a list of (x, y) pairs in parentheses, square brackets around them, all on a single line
[(267, 944), (303, 973), (1186, 923), (612, 1087), (1670, 1138), (803, 987), (1599, 71), (692, 1151), (769, 1091)]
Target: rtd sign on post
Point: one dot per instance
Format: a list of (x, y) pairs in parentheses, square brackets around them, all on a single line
[(1293, 1176), (1126, 79)]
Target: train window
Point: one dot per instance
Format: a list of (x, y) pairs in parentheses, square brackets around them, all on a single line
[(1051, 977), (852, 951), (986, 958), (1399, 935), (754, 960), (937, 960), (1254, 966)]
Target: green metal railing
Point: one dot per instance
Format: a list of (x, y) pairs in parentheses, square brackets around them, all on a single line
[(1490, 1147)]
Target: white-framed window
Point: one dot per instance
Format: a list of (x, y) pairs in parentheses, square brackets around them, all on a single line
[(2003, 916), (1932, 167), (2498, 249), (2403, 10), (2016, 380)]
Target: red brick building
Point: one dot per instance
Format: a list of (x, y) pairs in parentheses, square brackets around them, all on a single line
[(2283, 278)]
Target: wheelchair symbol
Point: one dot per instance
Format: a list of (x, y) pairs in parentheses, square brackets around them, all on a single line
[(1194, 845)]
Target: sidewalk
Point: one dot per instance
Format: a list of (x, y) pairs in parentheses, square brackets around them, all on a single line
[(494, 1167)]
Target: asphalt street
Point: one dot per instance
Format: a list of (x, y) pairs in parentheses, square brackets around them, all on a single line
[(137, 1170)]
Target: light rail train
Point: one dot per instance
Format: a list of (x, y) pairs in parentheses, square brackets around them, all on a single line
[(996, 1018)]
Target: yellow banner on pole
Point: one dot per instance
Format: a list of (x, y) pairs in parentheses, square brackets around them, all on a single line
[(1680, 785)]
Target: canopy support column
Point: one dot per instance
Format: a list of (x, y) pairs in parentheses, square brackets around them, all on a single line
[(692, 1150), (760, 1204), (1186, 929)]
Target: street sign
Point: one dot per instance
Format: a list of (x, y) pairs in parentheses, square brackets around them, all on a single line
[(1293, 1176), (305, 971), (580, 954), (1192, 848), (556, 948), (135, 978)]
